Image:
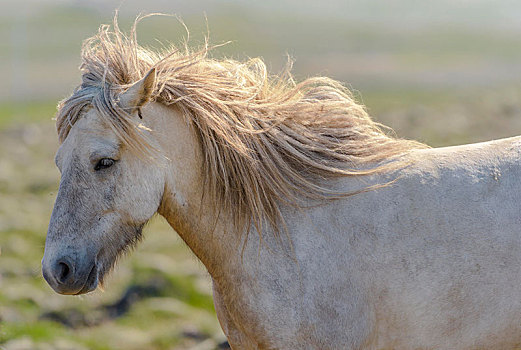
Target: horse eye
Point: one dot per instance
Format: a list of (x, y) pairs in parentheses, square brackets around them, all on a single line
[(104, 163)]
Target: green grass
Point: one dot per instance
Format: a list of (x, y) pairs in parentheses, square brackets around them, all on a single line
[(183, 288), (26, 112), (40, 331)]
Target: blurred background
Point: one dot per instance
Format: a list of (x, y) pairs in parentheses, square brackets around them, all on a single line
[(443, 72)]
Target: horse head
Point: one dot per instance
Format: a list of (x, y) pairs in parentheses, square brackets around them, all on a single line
[(106, 195)]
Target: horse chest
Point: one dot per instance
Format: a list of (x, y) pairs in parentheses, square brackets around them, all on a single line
[(283, 304)]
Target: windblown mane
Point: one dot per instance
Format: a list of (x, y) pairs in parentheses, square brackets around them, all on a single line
[(266, 140)]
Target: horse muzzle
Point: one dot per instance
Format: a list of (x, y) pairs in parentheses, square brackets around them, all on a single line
[(68, 277)]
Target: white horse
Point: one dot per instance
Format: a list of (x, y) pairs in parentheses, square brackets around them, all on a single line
[(319, 230)]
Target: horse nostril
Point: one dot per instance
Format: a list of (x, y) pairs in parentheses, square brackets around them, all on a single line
[(63, 272)]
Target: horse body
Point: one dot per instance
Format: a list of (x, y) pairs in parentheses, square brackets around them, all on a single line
[(429, 262), (319, 230)]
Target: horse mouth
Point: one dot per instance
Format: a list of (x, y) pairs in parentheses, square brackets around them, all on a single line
[(92, 281)]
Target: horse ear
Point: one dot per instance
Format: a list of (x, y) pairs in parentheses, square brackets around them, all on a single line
[(139, 93)]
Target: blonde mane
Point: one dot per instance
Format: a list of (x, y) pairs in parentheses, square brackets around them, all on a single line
[(266, 140)]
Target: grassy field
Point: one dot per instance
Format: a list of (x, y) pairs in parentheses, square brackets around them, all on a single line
[(438, 86)]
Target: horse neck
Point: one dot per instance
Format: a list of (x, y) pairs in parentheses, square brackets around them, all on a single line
[(192, 215)]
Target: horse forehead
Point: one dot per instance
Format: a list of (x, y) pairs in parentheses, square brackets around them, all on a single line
[(90, 123), (88, 134)]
